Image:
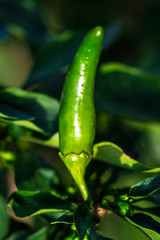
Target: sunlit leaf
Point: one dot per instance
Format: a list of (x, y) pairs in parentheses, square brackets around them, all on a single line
[(114, 155)]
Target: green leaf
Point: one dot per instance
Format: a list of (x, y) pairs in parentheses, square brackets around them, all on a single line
[(94, 236), (18, 235), (98, 237), (4, 219), (55, 56), (4, 33), (82, 219), (146, 224), (27, 203), (65, 218), (145, 188), (33, 173), (7, 159), (53, 141), (128, 91), (152, 210), (41, 234), (25, 22), (34, 111), (114, 155), (111, 32)]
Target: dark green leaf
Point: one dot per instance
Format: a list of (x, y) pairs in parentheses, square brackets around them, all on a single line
[(35, 111), (60, 52), (155, 198), (33, 173), (110, 33), (4, 219), (82, 219), (4, 32), (29, 22), (27, 203), (55, 56), (145, 188), (152, 210), (128, 91), (146, 224), (65, 218)]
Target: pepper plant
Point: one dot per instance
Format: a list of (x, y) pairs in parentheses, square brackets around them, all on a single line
[(78, 209), (86, 179)]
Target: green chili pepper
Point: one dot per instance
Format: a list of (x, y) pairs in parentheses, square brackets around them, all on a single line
[(77, 110)]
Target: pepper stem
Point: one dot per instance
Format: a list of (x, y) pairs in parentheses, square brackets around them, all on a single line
[(76, 164)]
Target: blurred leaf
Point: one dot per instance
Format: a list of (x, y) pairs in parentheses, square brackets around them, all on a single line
[(82, 219), (27, 203), (155, 198), (53, 141), (41, 234), (18, 235), (114, 155), (3, 32), (29, 22), (71, 237), (128, 91), (110, 33), (55, 56), (152, 210), (4, 219), (33, 173), (7, 159), (65, 218), (27, 109), (146, 224), (145, 188), (59, 53)]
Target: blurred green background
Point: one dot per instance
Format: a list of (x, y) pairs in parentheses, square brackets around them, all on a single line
[(38, 40)]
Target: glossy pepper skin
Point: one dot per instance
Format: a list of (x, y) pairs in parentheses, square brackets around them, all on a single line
[(77, 111)]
